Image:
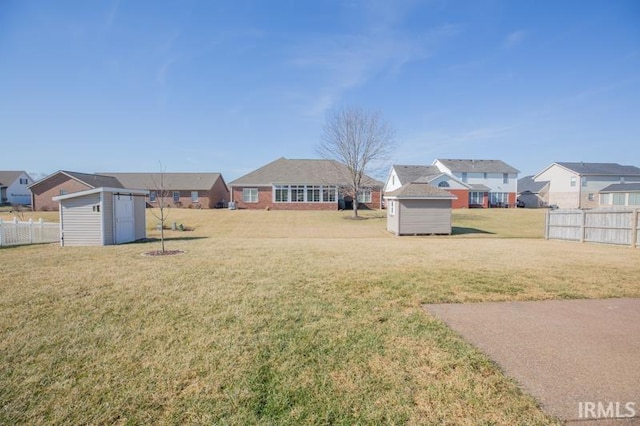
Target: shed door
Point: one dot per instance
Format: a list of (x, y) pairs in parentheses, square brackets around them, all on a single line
[(125, 230)]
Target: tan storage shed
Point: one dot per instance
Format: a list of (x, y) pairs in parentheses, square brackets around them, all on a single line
[(419, 208), (102, 216)]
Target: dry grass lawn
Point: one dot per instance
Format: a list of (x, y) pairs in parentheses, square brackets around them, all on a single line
[(280, 318)]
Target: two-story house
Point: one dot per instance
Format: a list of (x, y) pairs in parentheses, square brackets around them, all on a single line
[(13, 187), (577, 185), (492, 183)]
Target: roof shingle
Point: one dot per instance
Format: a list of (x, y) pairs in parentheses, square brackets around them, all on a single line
[(477, 166)]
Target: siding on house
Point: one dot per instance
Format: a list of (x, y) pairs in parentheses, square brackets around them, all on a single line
[(14, 187), (577, 185)]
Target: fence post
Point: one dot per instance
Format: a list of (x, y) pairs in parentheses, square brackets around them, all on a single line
[(582, 225), (30, 231), (634, 228), (547, 221), (1, 232)]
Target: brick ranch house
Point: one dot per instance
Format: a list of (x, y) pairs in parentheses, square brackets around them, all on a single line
[(293, 184), (195, 190), (191, 190)]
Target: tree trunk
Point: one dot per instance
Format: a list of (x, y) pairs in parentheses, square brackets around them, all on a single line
[(355, 206)]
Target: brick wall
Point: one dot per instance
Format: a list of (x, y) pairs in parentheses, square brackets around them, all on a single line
[(265, 200), (43, 193), (463, 198)]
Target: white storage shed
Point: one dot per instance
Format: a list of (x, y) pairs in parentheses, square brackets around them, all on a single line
[(102, 216), (419, 208)]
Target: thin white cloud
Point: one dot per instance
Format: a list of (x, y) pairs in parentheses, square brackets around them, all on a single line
[(345, 62), (112, 13), (514, 39)]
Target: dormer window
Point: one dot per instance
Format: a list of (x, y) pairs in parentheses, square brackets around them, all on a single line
[(443, 184)]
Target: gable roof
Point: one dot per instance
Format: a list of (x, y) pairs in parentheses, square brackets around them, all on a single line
[(7, 177), (293, 171), (408, 174), (527, 184), (622, 187), (89, 179), (477, 166), (422, 190), (176, 181), (600, 169)]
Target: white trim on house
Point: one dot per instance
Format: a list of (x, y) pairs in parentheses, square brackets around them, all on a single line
[(101, 189)]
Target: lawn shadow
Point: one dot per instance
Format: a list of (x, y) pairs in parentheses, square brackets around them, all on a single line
[(459, 230)]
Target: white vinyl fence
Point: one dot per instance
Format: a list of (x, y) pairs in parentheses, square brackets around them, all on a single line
[(610, 226), (15, 233)]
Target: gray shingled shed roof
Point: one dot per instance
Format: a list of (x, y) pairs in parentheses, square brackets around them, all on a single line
[(408, 174), (478, 166), (601, 169), (622, 187), (527, 184), (172, 181), (291, 171), (420, 190)]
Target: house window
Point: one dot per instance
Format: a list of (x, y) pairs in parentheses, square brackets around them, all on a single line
[(176, 196), (634, 199), (584, 181), (313, 194), (604, 199), (24, 181), (329, 194), (443, 184), (392, 208), (62, 192), (476, 197), (297, 193), (505, 178), (152, 196), (573, 180), (194, 196), (621, 179), (464, 177), (250, 195), (590, 196), (364, 195), (499, 199), (619, 199), (484, 176), (281, 193)]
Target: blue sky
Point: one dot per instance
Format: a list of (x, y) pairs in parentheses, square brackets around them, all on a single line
[(228, 86)]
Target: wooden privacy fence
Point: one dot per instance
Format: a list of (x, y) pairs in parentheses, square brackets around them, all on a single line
[(610, 226), (15, 233)]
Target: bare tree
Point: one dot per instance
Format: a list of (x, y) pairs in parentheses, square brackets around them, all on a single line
[(161, 193), (359, 139)]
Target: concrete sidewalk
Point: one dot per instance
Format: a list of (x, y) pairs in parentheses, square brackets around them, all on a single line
[(579, 358)]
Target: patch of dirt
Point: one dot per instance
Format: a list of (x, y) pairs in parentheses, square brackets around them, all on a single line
[(161, 253)]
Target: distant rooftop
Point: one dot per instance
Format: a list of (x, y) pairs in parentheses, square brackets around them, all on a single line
[(601, 169), (477, 166)]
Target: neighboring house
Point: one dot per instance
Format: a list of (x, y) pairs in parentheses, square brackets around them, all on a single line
[(65, 182), (102, 216), (401, 175), (193, 190), (492, 183), (419, 208), (576, 185), (620, 195), (14, 187), (290, 184), (532, 194)]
